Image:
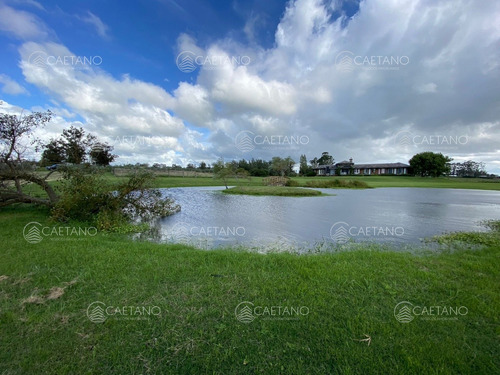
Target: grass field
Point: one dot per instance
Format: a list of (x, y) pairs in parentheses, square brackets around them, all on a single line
[(172, 309), (188, 298), (281, 191), (371, 181)]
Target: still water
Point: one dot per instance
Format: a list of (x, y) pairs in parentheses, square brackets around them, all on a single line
[(396, 216)]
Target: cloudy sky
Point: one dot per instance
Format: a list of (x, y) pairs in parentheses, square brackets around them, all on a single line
[(173, 81)]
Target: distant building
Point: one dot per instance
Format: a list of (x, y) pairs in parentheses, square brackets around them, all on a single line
[(345, 167)]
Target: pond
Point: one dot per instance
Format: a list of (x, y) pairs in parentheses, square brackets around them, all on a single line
[(397, 216)]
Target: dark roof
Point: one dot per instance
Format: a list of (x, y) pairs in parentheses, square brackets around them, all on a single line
[(323, 166), (365, 166), (382, 165)]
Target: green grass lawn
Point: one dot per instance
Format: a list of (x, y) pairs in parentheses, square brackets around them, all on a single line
[(282, 191), (371, 181), (349, 328), (411, 181)]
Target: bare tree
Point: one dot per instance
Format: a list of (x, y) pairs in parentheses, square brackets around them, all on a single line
[(16, 172), (283, 166)]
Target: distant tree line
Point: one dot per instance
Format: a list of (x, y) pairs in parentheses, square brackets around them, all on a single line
[(424, 164), (277, 166), (74, 146), (469, 168), (436, 164)]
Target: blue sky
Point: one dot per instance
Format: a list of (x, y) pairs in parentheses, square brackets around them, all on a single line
[(376, 81)]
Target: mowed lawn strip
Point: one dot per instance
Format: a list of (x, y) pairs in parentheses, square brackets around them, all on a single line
[(282, 191), (370, 181)]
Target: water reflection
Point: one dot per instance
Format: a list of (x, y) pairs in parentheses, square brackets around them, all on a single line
[(395, 216)]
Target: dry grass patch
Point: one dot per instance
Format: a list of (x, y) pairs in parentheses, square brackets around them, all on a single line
[(55, 293), (33, 299)]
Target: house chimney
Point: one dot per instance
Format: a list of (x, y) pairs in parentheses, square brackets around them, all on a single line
[(350, 160)]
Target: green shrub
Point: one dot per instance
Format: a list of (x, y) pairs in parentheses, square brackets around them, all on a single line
[(346, 184), (86, 196), (275, 181)]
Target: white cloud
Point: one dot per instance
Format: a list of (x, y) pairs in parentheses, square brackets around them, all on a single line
[(9, 86), (112, 108), (240, 90), (451, 60), (32, 3), (96, 22), (426, 88), (21, 24), (193, 104), (449, 87)]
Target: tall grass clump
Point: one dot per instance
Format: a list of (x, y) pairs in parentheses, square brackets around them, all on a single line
[(345, 184)]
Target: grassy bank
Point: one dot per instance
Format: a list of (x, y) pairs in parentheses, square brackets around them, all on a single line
[(417, 182), (370, 181), (282, 191), (337, 184), (349, 328)]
